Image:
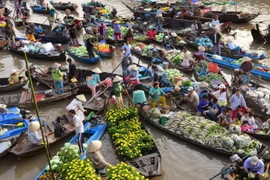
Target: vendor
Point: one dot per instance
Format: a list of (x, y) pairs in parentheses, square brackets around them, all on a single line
[(187, 61), (127, 59), (199, 55), (221, 95), (71, 69), (15, 76), (152, 34), (57, 76), (157, 72), (129, 35), (34, 134), (93, 81), (133, 75), (192, 97), (118, 89), (204, 104), (102, 30), (215, 22), (175, 39), (246, 67), (252, 165), (77, 105), (31, 37), (96, 157), (114, 12), (232, 46), (236, 100), (156, 95)]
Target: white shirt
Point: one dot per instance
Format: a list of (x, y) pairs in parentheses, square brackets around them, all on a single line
[(215, 22), (231, 46), (127, 49), (129, 25), (159, 71), (194, 27), (34, 137), (186, 62), (159, 13), (78, 124), (77, 106)]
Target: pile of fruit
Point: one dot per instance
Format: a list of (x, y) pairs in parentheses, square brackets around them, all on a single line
[(105, 48), (209, 77), (109, 33), (123, 30)]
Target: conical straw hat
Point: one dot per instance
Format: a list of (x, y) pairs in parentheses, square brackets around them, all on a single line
[(33, 126), (134, 67), (56, 65), (81, 97), (201, 48), (94, 146), (117, 79), (97, 70)]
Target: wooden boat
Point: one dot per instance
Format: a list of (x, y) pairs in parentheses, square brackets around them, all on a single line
[(5, 146), (84, 59), (3, 43), (40, 9), (144, 111), (92, 133), (25, 148), (47, 34), (11, 113), (229, 63), (24, 99), (64, 6), (14, 128), (55, 56), (18, 21), (258, 36), (6, 87)]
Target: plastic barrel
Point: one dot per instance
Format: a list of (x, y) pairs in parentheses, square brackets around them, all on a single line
[(165, 65)]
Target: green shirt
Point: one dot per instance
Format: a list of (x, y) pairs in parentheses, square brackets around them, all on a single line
[(155, 93), (57, 75), (118, 89)]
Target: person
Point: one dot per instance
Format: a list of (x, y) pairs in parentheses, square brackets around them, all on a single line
[(173, 13), (57, 76), (215, 22), (38, 29), (152, 34), (215, 38), (239, 112), (237, 163), (14, 77), (77, 105), (129, 35), (118, 89), (194, 28), (31, 37), (204, 104), (114, 12), (71, 69), (187, 61), (252, 165), (236, 100), (52, 12), (34, 134), (73, 36), (227, 121), (102, 30), (126, 50), (157, 73), (245, 127), (175, 39), (232, 46), (221, 97), (133, 75), (59, 129), (117, 31), (156, 95), (79, 128), (192, 97), (245, 116), (129, 24), (10, 34), (246, 67), (94, 154), (93, 81), (90, 48), (199, 55), (252, 122)]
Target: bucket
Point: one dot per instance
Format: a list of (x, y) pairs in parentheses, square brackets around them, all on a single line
[(213, 67), (164, 118), (165, 65), (139, 97)]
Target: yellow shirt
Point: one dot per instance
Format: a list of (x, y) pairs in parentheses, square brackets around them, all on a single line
[(31, 37)]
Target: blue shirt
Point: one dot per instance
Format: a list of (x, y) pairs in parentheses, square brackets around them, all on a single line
[(133, 75), (127, 50), (203, 103), (258, 168), (95, 80), (116, 28)]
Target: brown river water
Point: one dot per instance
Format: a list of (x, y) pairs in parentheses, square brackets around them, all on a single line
[(180, 160)]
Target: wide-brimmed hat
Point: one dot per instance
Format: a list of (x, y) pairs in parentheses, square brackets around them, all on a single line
[(190, 88), (81, 97), (203, 84), (229, 40), (201, 48), (221, 86), (33, 126), (117, 79), (246, 59), (187, 54), (234, 157), (56, 65), (134, 67), (13, 71), (97, 70), (254, 160), (94, 146), (174, 34), (166, 37)]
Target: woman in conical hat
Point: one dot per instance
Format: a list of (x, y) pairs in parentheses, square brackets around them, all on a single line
[(34, 134), (133, 75), (118, 89), (94, 80), (77, 105), (187, 61)]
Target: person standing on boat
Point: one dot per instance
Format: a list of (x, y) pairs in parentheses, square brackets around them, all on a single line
[(246, 68), (79, 129), (71, 69), (77, 105), (57, 76), (34, 134), (117, 31), (221, 97), (157, 73), (236, 100), (215, 38), (127, 59), (90, 48), (133, 75), (102, 30), (59, 129), (156, 95), (114, 12), (93, 81), (94, 154), (118, 90), (10, 34), (15, 76), (252, 165), (73, 36), (215, 22), (160, 19), (52, 13)]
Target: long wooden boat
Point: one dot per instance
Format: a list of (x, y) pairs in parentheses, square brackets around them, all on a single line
[(40, 9), (64, 6), (144, 114), (24, 99), (6, 87), (92, 133), (258, 36), (229, 63), (25, 148), (84, 59)]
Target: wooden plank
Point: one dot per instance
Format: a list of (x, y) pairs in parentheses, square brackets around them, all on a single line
[(23, 98)]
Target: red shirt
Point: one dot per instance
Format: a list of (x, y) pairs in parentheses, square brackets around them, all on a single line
[(152, 34)]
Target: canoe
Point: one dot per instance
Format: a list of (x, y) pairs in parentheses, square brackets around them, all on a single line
[(228, 63), (24, 99), (64, 6), (178, 135), (25, 148), (40, 9), (258, 36), (55, 56), (84, 59), (95, 133), (6, 87), (11, 113), (12, 129)]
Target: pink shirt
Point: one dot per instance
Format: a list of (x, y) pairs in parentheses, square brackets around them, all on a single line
[(246, 128)]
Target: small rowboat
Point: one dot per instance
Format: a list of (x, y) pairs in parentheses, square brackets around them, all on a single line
[(6, 87), (40, 9), (5, 146), (14, 128), (64, 6)]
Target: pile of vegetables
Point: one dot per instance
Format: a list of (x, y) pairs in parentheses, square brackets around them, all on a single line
[(147, 51), (123, 30), (79, 51), (209, 77), (211, 134), (110, 32), (130, 139), (175, 58), (172, 73), (140, 37), (88, 36), (203, 42), (159, 37), (123, 171)]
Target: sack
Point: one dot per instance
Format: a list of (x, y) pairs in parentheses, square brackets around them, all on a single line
[(49, 93)]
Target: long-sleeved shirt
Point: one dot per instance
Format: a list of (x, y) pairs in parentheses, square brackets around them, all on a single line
[(72, 69), (97, 159), (78, 124), (133, 75), (159, 71), (222, 98), (127, 50), (75, 105), (95, 80), (236, 101), (258, 168), (203, 104), (155, 93), (118, 89), (34, 137)]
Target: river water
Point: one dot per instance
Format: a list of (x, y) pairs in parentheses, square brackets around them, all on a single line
[(180, 160)]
